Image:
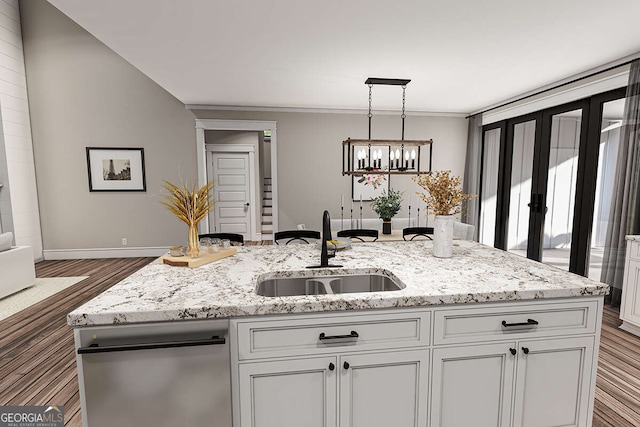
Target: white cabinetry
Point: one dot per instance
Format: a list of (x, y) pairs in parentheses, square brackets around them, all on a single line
[(630, 307), (288, 393), (535, 374), (521, 363), (384, 389), (553, 382), (472, 385), (374, 371)]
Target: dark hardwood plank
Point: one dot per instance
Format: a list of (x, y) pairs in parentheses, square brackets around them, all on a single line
[(37, 360)]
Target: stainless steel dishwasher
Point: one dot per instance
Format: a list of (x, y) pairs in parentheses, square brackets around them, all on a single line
[(156, 374)]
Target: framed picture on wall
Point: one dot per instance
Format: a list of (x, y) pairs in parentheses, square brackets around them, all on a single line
[(367, 191), (116, 169), (363, 188)]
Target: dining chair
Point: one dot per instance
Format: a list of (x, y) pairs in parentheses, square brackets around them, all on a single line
[(233, 237), (299, 236), (463, 231), (359, 234), (417, 231)]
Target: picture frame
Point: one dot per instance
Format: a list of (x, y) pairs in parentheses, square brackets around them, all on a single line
[(366, 192), (116, 169)]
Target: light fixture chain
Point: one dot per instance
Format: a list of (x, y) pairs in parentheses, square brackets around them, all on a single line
[(404, 89), (370, 115), (370, 98)]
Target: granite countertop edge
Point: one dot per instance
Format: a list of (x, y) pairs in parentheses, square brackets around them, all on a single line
[(225, 289)]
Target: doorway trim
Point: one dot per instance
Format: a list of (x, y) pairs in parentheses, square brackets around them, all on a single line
[(245, 149), (237, 125)]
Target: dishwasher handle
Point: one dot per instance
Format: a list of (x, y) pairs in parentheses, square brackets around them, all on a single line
[(95, 348)]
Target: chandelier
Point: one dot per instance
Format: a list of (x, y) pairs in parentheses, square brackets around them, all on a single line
[(377, 156)]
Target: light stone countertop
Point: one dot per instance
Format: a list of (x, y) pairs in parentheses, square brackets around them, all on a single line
[(226, 288)]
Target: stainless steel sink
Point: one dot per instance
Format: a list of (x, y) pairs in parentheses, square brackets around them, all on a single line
[(322, 285)]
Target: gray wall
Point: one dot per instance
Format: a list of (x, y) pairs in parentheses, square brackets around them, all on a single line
[(84, 95), (309, 156)]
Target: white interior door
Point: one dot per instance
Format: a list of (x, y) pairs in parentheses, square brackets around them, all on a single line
[(231, 175)]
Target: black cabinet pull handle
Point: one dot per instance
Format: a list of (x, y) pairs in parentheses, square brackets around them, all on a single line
[(346, 365), (324, 337), (525, 350), (529, 322), (96, 348), (513, 351), (332, 366)]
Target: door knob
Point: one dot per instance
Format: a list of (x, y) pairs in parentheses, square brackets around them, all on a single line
[(246, 204), (332, 366), (525, 350), (513, 351), (346, 365)]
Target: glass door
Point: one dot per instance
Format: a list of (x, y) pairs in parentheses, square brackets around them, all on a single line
[(491, 144), (541, 181), (516, 183), (559, 192), (555, 177), (523, 139)]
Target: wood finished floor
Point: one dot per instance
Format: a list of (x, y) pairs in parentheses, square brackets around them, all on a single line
[(37, 360)]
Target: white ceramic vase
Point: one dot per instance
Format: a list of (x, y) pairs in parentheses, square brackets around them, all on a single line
[(443, 236)]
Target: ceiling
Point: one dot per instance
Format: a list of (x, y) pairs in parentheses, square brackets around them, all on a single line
[(461, 55)]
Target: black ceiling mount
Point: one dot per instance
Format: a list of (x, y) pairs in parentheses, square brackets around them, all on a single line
[(393, 82), (359, 159)]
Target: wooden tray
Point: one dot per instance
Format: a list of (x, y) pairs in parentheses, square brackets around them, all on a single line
[(184, 261)]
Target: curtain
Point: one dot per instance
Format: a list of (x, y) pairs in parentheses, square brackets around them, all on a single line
[(625, 207), (471, 179)]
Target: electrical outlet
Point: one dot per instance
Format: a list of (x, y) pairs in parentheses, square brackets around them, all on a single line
[(124, 241)]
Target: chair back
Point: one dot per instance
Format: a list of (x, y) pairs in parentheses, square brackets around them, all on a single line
[(359, 234), (400, 223), (344, 224), (299, 236), (463, 231), (417, 231), (236, 238)]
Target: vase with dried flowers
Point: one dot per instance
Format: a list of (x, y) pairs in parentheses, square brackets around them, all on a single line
[(444, 197), (190, 205)]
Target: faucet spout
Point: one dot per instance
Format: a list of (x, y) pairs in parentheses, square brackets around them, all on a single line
[(326, 235)]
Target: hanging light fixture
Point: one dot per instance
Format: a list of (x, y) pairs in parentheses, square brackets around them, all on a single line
[(366, 156)]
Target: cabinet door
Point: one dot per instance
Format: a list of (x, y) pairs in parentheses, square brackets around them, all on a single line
[(630, 309), (384, 389), (472, 385), (288, 393), (553, 382)]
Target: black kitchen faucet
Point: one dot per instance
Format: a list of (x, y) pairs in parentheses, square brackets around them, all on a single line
[(326, 235)]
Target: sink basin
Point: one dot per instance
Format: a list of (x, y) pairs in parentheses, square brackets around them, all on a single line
[(323, 285)]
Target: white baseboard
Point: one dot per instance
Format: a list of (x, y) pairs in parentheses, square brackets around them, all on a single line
[(631, 328), (89, 253)]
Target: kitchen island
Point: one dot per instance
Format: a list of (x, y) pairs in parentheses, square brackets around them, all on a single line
[(482, 338)]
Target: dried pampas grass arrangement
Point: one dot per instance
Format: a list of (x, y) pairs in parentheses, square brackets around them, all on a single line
[(190, 205), (444, 193)]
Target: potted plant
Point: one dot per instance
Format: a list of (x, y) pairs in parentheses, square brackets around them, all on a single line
[(444, 199), (386, 206)]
